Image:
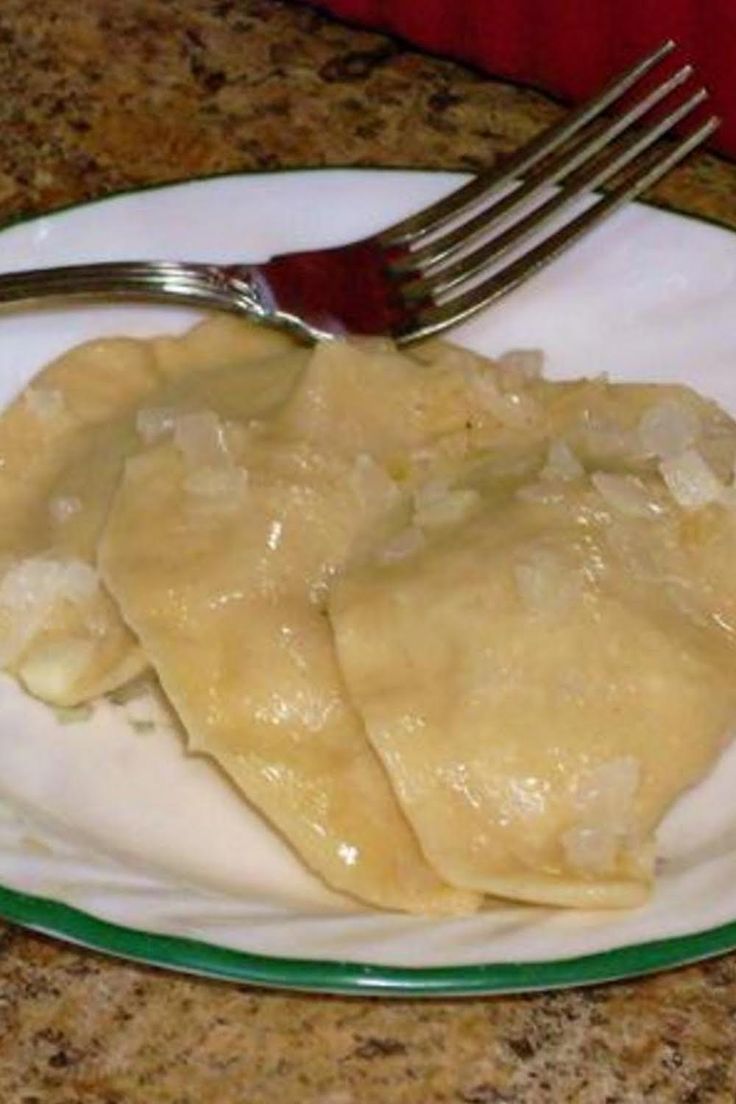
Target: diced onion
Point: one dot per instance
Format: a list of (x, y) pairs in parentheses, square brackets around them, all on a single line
[(604, 797), (516, 409), (153, 423), (605, 439), (546, 583), (200, 438), (40, 580), (668, 429), (79, 581), (406, 544), (590, 849), (372, 483), (626, 494), (546, 492), (222, 484), (562, 463), (64, 507), (520, 366), (436, 504), (429, 492), (607, 791), (238, 437), (32, 587), (690, 480)]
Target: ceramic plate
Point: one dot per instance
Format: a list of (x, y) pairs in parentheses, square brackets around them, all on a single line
[(112, 837)]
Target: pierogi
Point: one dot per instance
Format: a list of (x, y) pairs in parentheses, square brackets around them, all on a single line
[(537, 705), (454, 629), (63, 445)]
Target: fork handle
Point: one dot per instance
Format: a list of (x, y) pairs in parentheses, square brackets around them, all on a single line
[(141, 279), (238, 288)]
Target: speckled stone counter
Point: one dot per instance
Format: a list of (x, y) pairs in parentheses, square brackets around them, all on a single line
[(100, 95)]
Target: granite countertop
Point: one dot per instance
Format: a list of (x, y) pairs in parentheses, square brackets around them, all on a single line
[(101, 95)]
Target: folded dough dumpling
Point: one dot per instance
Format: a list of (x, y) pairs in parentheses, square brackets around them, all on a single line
[(63, 443), (536, 695), (220, 548)]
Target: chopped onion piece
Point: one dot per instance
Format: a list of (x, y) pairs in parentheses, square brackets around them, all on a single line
[(690, 481), (64, 507), (607, 791), (406, 544), (520, 366), (372, 483), (436, 504), (238, 437), (155, 422), (30, 588), (41, 580), (605, 439), (625, 493), (225, 484), (79, 580), (668, 429), (605, 797), (546, 583), (562, 463), (44, 403), (513, 409), (545, 493), (201, 440), (430, 492), (590, 849)]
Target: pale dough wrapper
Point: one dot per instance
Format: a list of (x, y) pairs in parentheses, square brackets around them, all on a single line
[(63, 443), (534, 642), (223, 580), (537, 700), (252, 674)]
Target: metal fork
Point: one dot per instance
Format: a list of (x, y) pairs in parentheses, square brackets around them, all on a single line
[(448, 261)]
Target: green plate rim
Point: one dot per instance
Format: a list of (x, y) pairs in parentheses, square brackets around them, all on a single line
[(182, 954), (50, 917)]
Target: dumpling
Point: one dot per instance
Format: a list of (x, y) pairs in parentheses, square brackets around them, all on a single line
[(220, 549), (63, 443), (456, 630), (537, 692)]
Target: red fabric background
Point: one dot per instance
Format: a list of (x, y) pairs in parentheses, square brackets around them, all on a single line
[(569, 47)]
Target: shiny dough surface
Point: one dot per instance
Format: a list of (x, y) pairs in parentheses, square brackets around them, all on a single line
[(543, 674), (63, 445), (454, 629), (537, 714), (224, 585)]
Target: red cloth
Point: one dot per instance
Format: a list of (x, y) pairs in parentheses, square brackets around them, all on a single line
[(568, 47)]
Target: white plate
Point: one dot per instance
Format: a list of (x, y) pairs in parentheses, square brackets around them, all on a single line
[(120, 841)]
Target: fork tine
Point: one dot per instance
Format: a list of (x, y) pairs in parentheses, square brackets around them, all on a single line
[(435, 318), (439, 250), (470, 264), (432, 218)]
